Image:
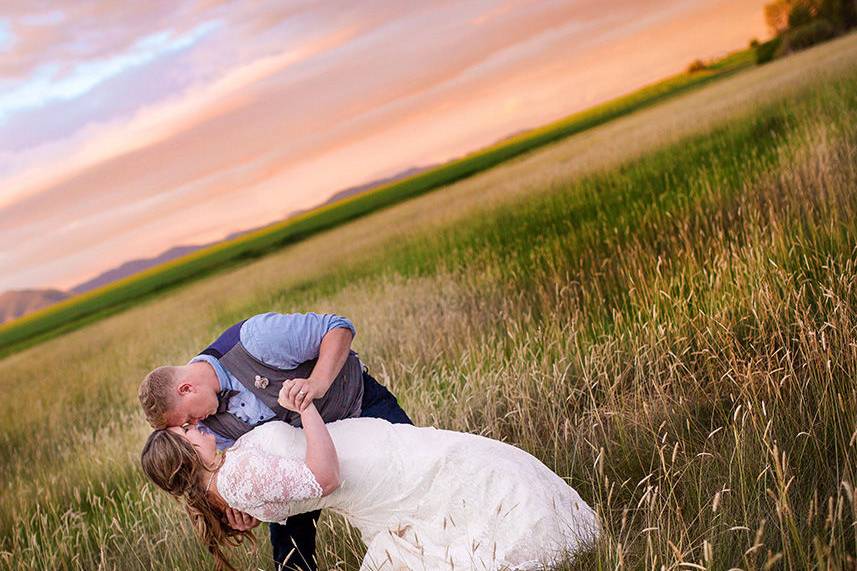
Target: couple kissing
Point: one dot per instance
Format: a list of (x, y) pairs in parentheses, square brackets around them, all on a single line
[(278, 419)]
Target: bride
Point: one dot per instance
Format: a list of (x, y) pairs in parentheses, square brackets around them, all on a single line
[(422, 498)]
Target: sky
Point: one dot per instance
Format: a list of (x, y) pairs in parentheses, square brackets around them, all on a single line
[(127, 128)]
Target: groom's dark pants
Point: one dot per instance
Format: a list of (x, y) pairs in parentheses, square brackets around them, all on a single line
[(294, 543)]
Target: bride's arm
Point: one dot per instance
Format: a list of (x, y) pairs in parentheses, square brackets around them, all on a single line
[(321, 456)]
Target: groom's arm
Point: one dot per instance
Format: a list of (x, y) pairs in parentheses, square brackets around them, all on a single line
[(332, 354), (287, 340)]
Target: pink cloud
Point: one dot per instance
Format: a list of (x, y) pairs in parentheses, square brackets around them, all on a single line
[(293, 102)]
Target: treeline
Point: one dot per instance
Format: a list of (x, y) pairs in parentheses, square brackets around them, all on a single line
[(799, 24)]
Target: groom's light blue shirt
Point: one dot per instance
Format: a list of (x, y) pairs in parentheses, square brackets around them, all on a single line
[(279, 340)]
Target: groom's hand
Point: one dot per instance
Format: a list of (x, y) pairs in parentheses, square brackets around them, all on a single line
[(240, 521)]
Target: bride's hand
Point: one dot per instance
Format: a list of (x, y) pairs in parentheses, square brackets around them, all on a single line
[(286, 400), (298, 394), (292, 399)]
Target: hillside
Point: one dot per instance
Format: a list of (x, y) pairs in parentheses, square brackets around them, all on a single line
[(124, 292), (660, 309), (17, 303), (20, 302)]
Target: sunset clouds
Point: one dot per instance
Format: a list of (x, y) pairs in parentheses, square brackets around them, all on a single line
[(127, 128)]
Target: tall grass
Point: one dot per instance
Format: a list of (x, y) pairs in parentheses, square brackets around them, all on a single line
[(669, 324)]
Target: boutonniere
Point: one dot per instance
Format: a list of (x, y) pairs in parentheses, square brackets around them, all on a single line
[(261, 382)]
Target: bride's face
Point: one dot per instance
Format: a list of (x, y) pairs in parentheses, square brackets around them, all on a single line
[(203, 442)]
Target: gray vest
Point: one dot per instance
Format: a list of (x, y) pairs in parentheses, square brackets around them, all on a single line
[(342, 400)]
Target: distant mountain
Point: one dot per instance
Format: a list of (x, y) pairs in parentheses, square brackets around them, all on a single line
[(16, 303), (134, 266), (352, 190), (512, 135), (131, 267)]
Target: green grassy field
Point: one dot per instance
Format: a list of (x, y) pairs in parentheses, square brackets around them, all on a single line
[(661, 308), (109, 299)]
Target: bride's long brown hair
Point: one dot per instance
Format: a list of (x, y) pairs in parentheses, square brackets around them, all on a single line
[(171, 462)]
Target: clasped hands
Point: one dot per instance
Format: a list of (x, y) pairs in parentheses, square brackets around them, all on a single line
[(297, 394)]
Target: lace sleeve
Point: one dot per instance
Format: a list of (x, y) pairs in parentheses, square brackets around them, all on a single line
[(263, 484)]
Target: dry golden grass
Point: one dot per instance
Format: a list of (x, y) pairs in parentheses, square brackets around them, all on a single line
[(661, 309)]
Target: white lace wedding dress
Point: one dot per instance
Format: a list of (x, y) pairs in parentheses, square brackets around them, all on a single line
[(422, 498)]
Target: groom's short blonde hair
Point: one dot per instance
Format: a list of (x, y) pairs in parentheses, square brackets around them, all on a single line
[(157, 394)]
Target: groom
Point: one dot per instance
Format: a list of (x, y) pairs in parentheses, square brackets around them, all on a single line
[(233, 385)]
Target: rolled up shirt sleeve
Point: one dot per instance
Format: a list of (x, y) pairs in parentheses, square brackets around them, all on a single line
[(285, 340)]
